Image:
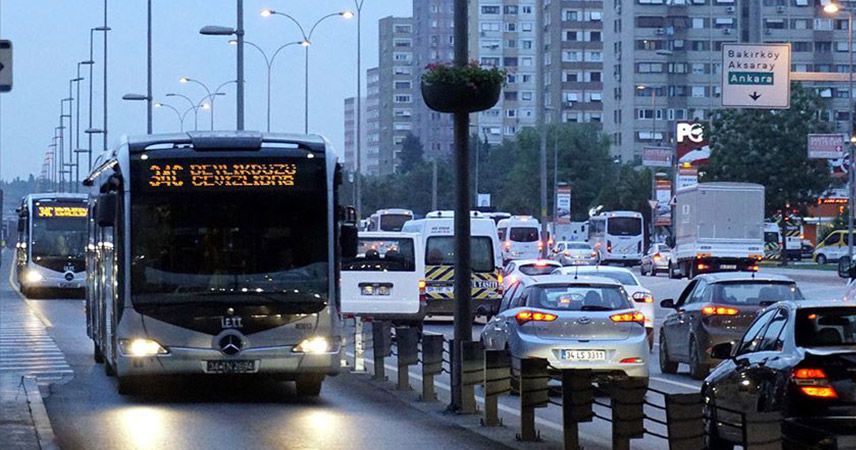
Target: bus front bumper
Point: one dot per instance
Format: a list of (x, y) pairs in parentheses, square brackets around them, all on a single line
[(34, 277), (273, 362)]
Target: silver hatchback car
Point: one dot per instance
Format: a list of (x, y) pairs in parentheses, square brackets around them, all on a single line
[(574, 323)]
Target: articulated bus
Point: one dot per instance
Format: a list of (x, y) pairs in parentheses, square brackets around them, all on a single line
[(617, 236), (217, 253), (51, 242)]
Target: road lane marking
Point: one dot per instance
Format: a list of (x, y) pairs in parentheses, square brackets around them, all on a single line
[(677, 383), (47, 323)]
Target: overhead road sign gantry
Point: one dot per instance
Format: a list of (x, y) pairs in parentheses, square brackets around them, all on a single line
[(756, 76)]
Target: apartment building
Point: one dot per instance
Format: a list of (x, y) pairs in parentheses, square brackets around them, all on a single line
[(663, 60), (371, 151), (396, 89)]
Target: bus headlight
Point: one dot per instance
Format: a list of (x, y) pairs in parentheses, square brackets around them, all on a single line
[(316, 344), (141, 347), (33, 277)]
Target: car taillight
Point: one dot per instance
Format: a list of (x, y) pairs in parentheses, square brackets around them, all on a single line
[(593, 254), (702, 266), (713, 310), (499, 278), (753, 268), (637, 317), (657, 256), (609, 246), (813, 383), (422, 298), (643, 297), (566, 253), (534, 316), (540, 245), (507, 245)]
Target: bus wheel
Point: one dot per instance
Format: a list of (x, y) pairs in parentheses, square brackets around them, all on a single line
[(96, 353), (309, 385)]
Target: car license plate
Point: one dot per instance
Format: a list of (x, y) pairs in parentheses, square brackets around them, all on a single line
[(69, 285), (584, 355), (728, 266), (439, 289), (237, 366)]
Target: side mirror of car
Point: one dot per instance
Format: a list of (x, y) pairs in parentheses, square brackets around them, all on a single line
[(349, 240), (845, 267), (667, 303), (721, 351)]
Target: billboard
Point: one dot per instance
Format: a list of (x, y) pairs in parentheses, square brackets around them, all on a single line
[(687, 176), (663, 211), (563, 204), (826, 146), (657, 157), (692, 143)]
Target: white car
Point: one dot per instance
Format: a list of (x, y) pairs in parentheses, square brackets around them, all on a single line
[(526, 268), (572, 253), (642, 297)]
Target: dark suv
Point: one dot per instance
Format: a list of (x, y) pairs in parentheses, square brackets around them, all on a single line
[(712, 309)]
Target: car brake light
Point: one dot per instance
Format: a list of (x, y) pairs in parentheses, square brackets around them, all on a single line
[(753, 268), (637, 317), (540, 263), (657, 256), (609, 246), (643, 297), (593, 254), (702, 266), (813, 383), (633, 360), (507, 245), (422, 298), (708, 311), (534, 316), (540, 245), (500, 278)]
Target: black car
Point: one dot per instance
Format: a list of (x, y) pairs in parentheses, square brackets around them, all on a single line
[(797, 359), (715, 308)]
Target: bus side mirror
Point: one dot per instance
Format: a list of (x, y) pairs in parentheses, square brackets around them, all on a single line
[(349, 240), (845, 268), (105, 211)]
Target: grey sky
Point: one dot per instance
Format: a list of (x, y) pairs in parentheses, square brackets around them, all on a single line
[(51, 36)]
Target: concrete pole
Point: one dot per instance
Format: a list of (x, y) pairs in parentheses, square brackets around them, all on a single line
[(357, 181), (539, 119), (149, 103), (239, 33), (104, 126)]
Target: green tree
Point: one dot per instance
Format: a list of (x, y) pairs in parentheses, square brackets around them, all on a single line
[(768, 147), (411, 153)]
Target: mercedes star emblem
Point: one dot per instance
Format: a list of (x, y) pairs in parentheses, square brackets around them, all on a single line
[(230, 345)]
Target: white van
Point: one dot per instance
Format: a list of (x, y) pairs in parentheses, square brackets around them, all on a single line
[(386, 280), (438, 238), (521, 238)]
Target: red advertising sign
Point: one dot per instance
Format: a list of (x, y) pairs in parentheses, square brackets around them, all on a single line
[(692, 143)]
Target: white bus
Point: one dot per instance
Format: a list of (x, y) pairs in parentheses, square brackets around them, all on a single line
[(389, 219), (217, 253), (51, 242), (521, 238), (617, 236)]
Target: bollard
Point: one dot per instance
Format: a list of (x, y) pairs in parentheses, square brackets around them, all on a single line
[(685, 421), (627, 400), (432, 364), (534, 393), (408, 354), (577, 399), (497, 381), (382, 345), (762, 431), (472, 366)]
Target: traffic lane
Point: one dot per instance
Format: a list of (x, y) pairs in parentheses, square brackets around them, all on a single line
[(88, 413)]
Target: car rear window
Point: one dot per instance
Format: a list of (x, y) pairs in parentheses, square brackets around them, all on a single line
[(755, 292), (826, 327), (624, 278), (579, 297), (578, 246), (523, 234), (383, 255), (537, 269)]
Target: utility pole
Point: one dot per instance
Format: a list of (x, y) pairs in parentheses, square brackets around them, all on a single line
[(539, 119), (239, 34), (463, 313)]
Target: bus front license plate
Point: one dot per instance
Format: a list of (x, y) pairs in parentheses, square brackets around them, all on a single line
[(728, 266), (241, 366)]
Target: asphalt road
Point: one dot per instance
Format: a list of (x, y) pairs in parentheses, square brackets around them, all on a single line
[(87, 413)]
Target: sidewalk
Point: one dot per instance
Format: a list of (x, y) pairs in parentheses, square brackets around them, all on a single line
[(24, 422)]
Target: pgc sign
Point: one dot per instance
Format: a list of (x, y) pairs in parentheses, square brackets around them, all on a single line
[(692, 143)]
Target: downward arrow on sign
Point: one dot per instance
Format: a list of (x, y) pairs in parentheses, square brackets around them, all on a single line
[(755, 96)]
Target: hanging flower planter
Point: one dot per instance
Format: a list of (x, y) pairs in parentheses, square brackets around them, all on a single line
[(467, 89)]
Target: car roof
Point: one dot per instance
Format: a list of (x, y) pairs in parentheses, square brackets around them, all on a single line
[(805, 304), (526, 262), (386, 234), (722, 277), (568, 279), (590, 269)]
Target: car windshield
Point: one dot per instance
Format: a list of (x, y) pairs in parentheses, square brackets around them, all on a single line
[(393, 222), (383, 255), (754, 292), (579, 297), (624, 278), (59, 233), (523, 234), (826, 327), (441, 251), (578, 246), (537, 269), (624, 226)]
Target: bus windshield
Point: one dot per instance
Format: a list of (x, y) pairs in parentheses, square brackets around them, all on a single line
[(225, 244), (59, 234), (393, 222), (624, 226)]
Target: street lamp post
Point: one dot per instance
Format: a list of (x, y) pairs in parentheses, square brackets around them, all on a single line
[(210, 95), (307, 40), (194, 105), (92, 31), (238, 31), (833, 8), (104, 126), (269, 63), (177, 112), (74, 144), (77, 148)]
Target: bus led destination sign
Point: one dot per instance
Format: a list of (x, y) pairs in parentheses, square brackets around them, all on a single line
[(225, 175), (56, 211)]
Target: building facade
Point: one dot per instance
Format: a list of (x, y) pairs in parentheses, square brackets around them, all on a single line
[(395, 88), (371, 153), (663, 60)]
